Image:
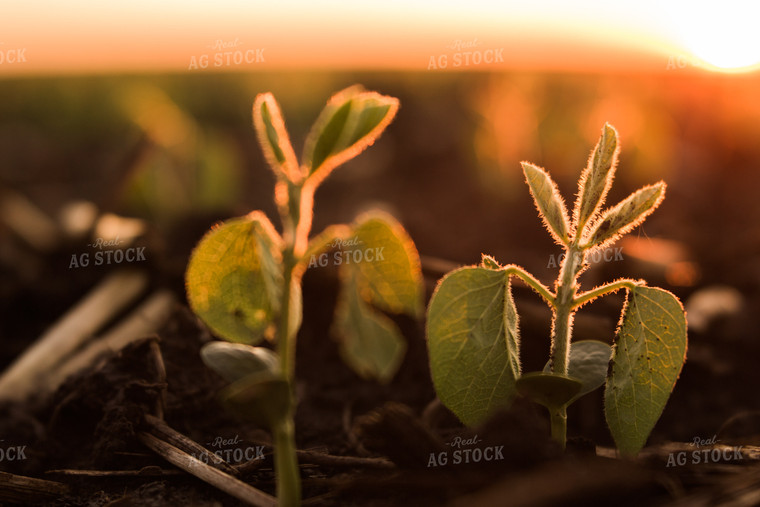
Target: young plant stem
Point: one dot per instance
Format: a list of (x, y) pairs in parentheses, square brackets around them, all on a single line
[(286, 464), (286, 461), (562, 327), (534, 284)]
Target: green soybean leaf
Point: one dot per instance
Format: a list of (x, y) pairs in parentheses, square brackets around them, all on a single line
[(549, 389), (597, 177), (589, 362), (386, 262), (548, 201), (234, 361), (274, 139), (352, 120), (627, 214), (234, 278), (649, 351), (263, 398), (473, 342), (370, 343)]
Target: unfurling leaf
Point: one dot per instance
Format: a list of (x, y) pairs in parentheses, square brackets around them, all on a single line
[(589, 361), (596, 178), (370, 343), (274, 139), (649, 352), (352, 120), (234, 278), (551, 390), (387, 265), (626, 215), (473, 342), (234, 361), (548, 201)]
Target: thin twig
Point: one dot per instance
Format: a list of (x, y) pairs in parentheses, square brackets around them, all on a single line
[(208, 474), (160, 429), (143, 472)]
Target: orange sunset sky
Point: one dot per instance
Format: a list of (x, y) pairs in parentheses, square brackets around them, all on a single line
[(82, 36)]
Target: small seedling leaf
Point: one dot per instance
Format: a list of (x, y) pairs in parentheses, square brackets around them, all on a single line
[(551, 390), (386, 263), (274, 139), (627, 214), (649, 352), (352, 120), (597, 177), (370, 343), (473, 342), (260, 397), (234, 278), (589, 361), (548, 201), (234, 361)]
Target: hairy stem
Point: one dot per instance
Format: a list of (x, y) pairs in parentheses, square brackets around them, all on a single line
[(562, 327), (585, 297), (534, 284)]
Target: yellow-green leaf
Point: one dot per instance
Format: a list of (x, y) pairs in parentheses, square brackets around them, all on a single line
[(370, 343), (234, 278), (649, 352), (473, 342), (388, 271), (352, 120)]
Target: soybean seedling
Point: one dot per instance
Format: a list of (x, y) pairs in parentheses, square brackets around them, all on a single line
[(244, 278), (472, 324)]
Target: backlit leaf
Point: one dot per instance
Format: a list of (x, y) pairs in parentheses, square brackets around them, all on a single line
[(548, 201), (234, 278), (649, 352), (473, 342), (352, 120), (627, 214), (597, 177), (386, 263), (273, 137)]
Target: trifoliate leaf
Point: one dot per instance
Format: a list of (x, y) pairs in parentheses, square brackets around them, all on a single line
[(548, 201), (597, 177)]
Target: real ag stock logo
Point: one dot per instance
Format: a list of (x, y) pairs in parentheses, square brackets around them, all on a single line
[(226, 54), (466, 53)]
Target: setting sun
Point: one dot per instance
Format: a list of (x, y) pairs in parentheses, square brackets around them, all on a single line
[(720, 36)]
